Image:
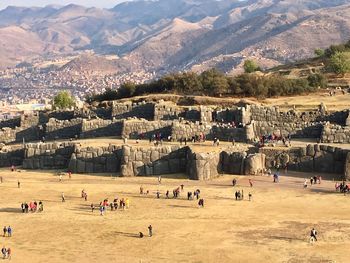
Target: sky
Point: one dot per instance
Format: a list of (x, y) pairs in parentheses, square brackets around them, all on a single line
[(88, 3)]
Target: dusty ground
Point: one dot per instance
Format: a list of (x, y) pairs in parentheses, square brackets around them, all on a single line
[(274, 227)]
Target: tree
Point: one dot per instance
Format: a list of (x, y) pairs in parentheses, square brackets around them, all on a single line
[(340, 63), (214, 82), (126, 90), (250, 66), (63, 100), (317, 80), (187, 83), (319, 52)]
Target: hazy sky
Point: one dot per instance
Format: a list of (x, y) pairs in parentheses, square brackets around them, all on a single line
[(96, 3)]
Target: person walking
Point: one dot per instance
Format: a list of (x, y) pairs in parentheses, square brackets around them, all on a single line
[(63, 198), (19, 184), (4, 252), (313, 235), (305, 183), (250, 182), (4, 230), (9, 231), (150, 230), (250, 196), (9, 253)]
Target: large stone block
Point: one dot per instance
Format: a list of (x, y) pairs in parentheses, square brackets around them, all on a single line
[(347, 167), (310, 150), (138, 168), (254, 163)]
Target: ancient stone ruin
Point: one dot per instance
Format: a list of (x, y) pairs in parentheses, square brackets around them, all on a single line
[(170, 122)]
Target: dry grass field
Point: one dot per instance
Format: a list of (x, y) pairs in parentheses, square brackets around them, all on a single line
[(273, 227), (306, 102)]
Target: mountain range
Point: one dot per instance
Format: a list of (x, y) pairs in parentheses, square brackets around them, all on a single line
[(171, 35)]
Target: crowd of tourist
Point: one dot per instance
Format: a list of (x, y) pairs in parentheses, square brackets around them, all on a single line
[(117, 204), (33, 207)]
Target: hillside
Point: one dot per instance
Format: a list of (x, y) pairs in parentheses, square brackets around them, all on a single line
[(169, 35)]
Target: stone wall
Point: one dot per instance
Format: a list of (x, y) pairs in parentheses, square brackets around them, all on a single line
[(10, 123), (29, 120), (335, 134), (242, 163), (311, 158), (167, 111), (141, 161), (101, 128), (96, 159), (205, 114), (134, 128), (128, 109), (47, 155), (232, 162), (56, 129), (228, 115), (228, 133), (273, 114), (297, 129), (11, 156), (182, 130)]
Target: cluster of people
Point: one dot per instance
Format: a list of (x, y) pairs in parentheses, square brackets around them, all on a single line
[(7, 231), (196, 194), (142, 192), (120, 204), (196, 138), (6, 253), (315, 180), (32, 207), (273, 138), (156, 139), (342, 187), (239, 195)]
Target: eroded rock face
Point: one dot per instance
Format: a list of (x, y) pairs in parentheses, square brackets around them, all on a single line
[(254, 164)]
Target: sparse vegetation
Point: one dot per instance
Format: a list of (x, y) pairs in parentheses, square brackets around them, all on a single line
[(63, 100), (319, 52), (317, 80), (340, 63)]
